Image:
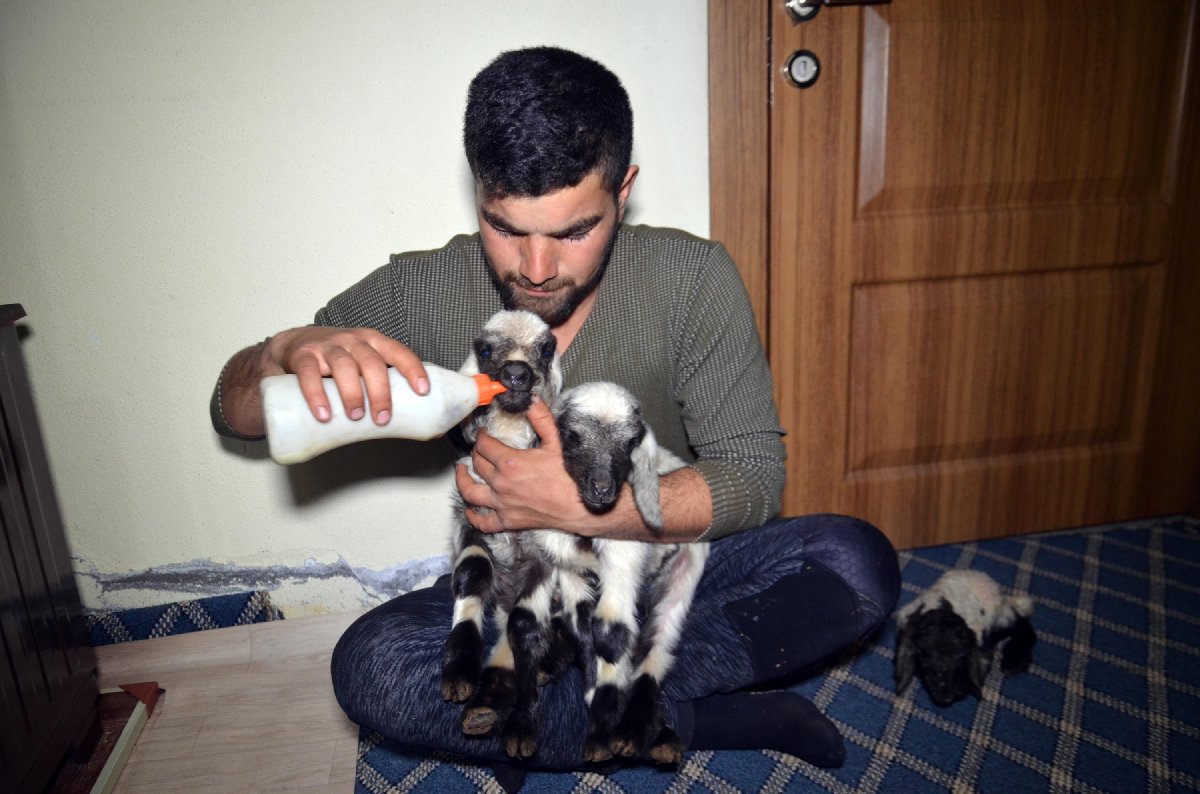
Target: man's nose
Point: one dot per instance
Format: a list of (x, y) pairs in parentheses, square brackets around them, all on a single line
[(537, 261)]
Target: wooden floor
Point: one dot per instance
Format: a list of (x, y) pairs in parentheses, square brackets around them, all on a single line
[(247, 709)]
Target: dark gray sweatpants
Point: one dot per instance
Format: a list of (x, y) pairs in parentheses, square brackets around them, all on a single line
[(387, 666)]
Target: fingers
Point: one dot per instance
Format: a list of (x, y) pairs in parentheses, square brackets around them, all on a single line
[(406, 362), (542, 421), (349, 369), (519, 489), (476, 495), (488, 521), (487, 453), (467, 485), (356, 358), (307, 369)]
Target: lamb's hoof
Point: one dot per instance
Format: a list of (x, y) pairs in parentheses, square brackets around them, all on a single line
[(544, 677), (457, 690), (623, 746), (667, 748), (520, 747), (596, 752), (462, 663), (520, 740), (479, 720)]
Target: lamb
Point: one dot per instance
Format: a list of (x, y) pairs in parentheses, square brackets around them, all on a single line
[(605, 443), (558, 598), (501, 570), (947, 634)]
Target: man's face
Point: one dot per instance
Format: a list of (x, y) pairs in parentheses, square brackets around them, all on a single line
[(547, 254)]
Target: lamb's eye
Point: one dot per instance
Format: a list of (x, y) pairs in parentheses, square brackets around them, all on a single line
[(548, 351), (630, 445), (485, 352)]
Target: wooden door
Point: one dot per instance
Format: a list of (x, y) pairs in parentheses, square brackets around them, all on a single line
[(972, 244)]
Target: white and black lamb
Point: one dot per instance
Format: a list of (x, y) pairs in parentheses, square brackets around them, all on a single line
[(946, 636), (606, 443), (559, 598), (501, 572)]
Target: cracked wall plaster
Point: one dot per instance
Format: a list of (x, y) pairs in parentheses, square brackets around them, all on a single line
[(312, 587)]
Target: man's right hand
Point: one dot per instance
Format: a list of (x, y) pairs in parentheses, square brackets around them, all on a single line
[(346, 354), (311, 353)]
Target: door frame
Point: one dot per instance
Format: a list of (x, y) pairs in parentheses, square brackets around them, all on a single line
[(739, 130)]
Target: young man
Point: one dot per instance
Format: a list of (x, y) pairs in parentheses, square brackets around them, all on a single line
[(548, 135)]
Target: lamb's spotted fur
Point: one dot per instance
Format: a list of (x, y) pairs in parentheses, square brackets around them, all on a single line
[(499, 571), (606, 443), (946, 635), (558, 597)]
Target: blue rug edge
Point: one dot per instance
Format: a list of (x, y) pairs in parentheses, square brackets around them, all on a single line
[(108, 627)]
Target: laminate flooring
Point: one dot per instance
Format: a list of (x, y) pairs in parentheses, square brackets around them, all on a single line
[(247, 709)]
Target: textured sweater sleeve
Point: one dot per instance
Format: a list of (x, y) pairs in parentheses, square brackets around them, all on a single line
[(724, 384)]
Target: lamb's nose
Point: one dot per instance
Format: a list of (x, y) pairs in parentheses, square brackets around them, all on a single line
[(602, 488), (516, 375)]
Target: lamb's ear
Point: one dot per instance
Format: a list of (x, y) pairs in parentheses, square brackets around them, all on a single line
[(978, 664), (1018, 652), (644, 480), (906, 652), (1022, 605), (556, 381)]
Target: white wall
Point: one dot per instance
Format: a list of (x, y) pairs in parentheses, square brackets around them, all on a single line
[(179, 179)]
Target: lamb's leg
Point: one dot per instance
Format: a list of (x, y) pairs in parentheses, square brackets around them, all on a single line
[(614, 633), (462, 655), (571, 629), (643, 728), (497, 686), (528, 631)]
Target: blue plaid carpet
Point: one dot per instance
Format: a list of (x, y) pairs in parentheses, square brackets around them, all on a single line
[(1110, 704), (216, 612)]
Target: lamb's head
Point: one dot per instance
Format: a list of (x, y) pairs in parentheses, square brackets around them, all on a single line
[(517, 349), (606, 443), (942, 650)]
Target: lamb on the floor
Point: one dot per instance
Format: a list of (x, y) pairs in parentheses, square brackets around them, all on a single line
[(946, 635)]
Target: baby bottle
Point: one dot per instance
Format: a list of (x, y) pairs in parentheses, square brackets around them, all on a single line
[(294, 434)]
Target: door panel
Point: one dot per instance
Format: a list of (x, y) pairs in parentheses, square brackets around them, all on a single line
[(991, 370), (1051, 104), (975, 223)]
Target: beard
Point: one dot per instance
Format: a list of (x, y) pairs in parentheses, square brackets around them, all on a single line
[(567, 294)]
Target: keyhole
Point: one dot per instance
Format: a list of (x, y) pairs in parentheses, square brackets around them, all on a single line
[(802, 68)]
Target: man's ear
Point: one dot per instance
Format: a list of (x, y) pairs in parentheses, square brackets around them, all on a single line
[(624, 191)]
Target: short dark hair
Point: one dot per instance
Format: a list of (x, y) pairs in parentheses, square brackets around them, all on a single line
[(542, 119)]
